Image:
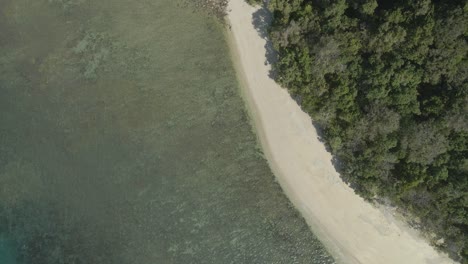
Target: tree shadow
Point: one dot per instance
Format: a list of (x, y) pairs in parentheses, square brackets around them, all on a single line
[(320, 133), (261, 20), (336, 162)]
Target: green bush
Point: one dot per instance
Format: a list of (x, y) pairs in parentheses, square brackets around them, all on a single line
[(387, 83)]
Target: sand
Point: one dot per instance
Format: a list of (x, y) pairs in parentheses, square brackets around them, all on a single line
[(353, 230)]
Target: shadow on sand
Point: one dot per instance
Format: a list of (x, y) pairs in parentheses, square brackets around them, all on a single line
[(261, 19)]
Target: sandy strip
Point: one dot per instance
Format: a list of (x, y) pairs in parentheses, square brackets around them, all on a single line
[(352, 229)]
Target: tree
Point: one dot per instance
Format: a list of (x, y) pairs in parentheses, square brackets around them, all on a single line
[(387, 83)]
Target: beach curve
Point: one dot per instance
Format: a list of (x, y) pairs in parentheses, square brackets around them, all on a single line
[(353, 230)]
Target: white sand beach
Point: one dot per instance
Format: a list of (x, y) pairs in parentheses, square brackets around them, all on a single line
[(353, 230)]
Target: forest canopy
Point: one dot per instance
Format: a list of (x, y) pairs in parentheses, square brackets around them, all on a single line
[(386, 81)]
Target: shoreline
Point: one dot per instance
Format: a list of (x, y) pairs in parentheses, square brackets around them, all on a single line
[(353, 230)]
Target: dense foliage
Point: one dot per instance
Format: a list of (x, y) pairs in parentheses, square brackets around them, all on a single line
[(387, 83)]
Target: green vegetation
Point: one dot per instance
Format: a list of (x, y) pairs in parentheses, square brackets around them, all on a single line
[(386, 81)]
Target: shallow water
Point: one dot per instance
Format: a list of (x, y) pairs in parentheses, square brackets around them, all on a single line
[(7, 251), (123, 139)]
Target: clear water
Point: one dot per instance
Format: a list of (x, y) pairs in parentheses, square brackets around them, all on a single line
[(123, 139), (7, 251)]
